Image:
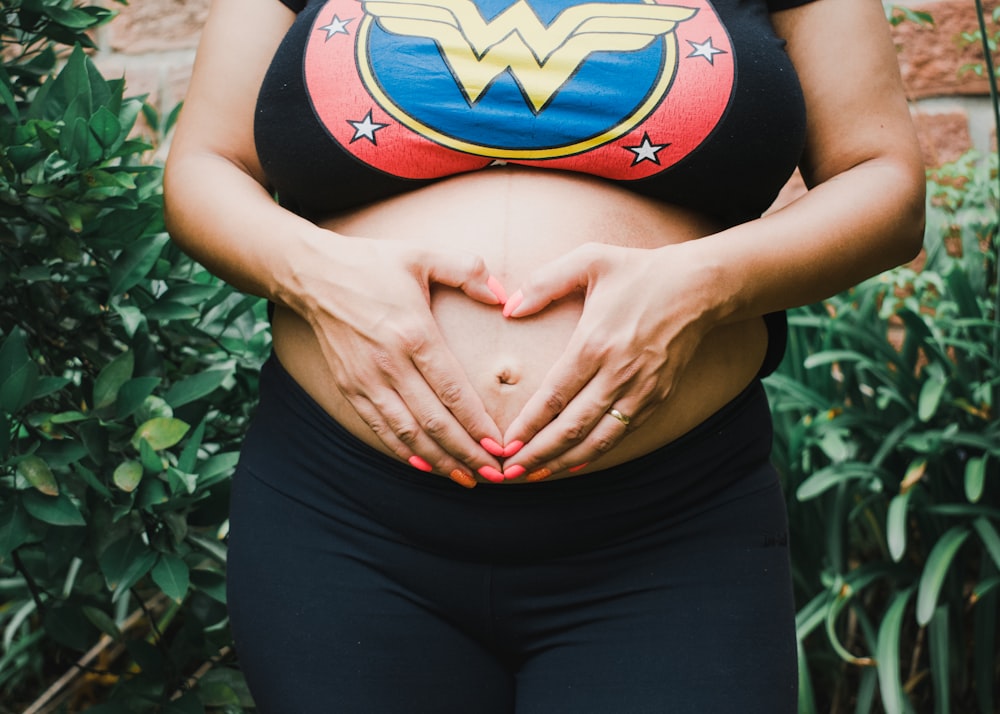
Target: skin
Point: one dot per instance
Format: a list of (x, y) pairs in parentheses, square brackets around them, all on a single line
[(385, 317)]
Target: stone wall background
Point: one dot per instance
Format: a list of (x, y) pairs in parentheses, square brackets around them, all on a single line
[(153, 44)]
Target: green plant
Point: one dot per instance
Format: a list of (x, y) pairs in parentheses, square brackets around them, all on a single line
[(126, 378), (888, 438)]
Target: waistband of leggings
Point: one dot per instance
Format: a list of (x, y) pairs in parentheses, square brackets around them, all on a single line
[(299, 449)]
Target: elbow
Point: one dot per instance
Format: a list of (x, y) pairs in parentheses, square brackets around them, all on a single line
[(904, 194), (912, 217)]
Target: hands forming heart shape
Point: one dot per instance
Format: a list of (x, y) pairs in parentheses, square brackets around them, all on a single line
[(643, 316), (632, 340)]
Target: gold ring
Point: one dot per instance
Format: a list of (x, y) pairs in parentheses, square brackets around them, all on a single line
[(623, 418)]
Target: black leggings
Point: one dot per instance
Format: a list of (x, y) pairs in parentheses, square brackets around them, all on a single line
[(359, 584)]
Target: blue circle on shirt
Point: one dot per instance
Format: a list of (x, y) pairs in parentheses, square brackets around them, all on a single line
[(605, 89)]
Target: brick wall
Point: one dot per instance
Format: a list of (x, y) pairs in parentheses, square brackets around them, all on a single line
[(153, 43)]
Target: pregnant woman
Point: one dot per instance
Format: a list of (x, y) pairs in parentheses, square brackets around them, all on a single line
[(512, 449)]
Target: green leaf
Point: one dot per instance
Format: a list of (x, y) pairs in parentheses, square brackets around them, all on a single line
[(112, 377), (930, 394), (49, 385), (57, 510), (938, 632), (151, 461), (165, 310), (133, 394), (210, 582), (135, 262), (128, 475), (131, 317), (887, 654), (13, 352), (896, 525), (171, 574), (105, 127), (35, 471), (102, 621), (15, 530), (19, 388), (73, 18), (160, 433), (935, 569), (830, 476), (975, 478), (90, 478), (152, 493), (125, 562), (988, 534), (196, 387), (189, 455), (180, 481)]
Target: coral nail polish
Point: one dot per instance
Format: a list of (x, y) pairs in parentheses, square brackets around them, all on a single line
[(497, 289), (538, 475), (513, 472), (418, 463), (511, 449), (491, 474), (513, 302), (574, 469), (462, 478), (492, 446)]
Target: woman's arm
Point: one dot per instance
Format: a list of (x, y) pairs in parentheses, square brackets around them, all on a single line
[(367, 301), (645, 313)]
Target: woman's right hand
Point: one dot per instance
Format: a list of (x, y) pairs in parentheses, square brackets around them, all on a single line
[(368, 303)]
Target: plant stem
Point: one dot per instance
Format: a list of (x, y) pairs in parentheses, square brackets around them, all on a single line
[(991, 74)]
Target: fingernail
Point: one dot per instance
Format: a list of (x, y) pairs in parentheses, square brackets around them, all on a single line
[(513, 302), (418, 463), (497, 289), (538, 475), (574, 469), (513, 472), (491, 474), (511, 449), (492, 446), (462, 478)]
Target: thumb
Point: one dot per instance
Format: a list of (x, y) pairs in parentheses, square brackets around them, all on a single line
[(556, 279), (467, 272)]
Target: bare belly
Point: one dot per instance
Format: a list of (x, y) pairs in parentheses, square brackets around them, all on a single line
[(517, 219)]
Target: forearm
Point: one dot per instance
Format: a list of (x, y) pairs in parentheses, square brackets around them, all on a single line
[(226, 220), (845, 230)]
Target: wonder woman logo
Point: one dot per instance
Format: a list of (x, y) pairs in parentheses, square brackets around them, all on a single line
[(540, 57), (430, 88)]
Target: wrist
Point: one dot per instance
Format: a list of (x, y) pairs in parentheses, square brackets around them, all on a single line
[(712, 292), (310, 251)]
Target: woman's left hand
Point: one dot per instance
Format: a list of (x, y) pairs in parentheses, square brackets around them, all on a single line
[(645, 312)]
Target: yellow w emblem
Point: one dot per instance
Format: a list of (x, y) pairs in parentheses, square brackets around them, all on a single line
[(541, 58)]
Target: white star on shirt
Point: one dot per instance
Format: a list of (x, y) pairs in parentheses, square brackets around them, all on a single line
[(646, 151), (366, 128), (336, 27), (706, 50)]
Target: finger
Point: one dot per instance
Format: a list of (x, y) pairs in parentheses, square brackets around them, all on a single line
[(464, 271), (556, 279), (404, 433), (450, 386), (554, 456)]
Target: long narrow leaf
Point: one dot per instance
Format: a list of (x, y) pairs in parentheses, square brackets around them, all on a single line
[(990, 538), (887, 654), (938, 636), (935, 570), (895, 526)]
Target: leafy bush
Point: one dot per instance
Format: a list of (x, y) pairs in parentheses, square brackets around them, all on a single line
[(891, 456), (126, 376)]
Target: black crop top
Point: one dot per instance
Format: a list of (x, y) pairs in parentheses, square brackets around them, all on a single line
[(691, 102)]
